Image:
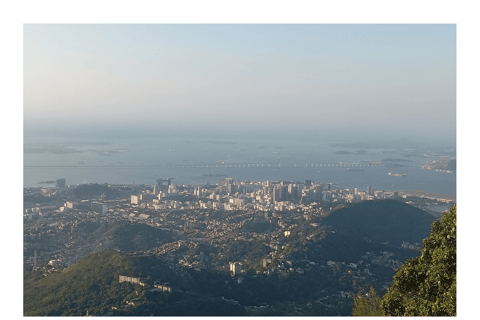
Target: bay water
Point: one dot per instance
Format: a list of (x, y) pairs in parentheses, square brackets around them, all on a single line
[(198, 160)]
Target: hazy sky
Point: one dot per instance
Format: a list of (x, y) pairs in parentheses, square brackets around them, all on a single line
[(385, 80)]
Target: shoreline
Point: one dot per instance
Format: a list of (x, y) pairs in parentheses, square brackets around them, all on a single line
[(427, 194)]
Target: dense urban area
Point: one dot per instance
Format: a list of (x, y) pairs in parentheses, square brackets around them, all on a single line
[(238, 229), (185, 209)]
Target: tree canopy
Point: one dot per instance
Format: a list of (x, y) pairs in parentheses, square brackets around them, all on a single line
[(367, 304), (426, 285)]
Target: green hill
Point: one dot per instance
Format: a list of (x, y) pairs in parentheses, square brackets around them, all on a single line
[(90, 190), (126, 236), (88, 237), (92, 286), (381, 221)]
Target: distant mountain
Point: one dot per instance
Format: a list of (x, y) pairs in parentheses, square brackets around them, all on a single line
[(391, 144)]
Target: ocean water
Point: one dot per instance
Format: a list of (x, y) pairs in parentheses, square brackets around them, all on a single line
[(143, 161)]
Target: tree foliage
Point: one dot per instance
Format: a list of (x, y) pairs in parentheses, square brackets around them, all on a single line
[(90, 285), (367, 304), (426, 285)]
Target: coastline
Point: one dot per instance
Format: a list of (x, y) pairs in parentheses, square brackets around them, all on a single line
[(427, 194)]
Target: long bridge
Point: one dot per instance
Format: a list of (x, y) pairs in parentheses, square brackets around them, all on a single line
[(229, 165)]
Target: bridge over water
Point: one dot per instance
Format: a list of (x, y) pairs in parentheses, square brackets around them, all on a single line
[(229, 165)]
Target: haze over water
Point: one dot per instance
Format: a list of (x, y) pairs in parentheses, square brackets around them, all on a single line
[(181, 96), (197, 161)]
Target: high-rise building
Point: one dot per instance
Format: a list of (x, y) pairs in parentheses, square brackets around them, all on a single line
[(292, 191), (278, 193), (198, 191), (99, 208), (326, 196), (162, 186), (71, 205), (284, 192), (231, 188), (235, 268), (370, 191), (147, 196), (318, 192), (60, 183), (356, 198), (134, 199)]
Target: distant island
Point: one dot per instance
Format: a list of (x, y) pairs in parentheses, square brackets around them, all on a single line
[(63, 149), (401, 143), (446, 164)]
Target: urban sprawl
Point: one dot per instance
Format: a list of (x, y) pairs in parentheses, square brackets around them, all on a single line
[(205, 212)]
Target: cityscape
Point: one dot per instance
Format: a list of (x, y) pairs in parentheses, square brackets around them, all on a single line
[(239, 169), (180, 224), (180, 209)]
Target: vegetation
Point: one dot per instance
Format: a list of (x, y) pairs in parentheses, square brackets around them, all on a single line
[(90, 285), (427, 285), (36, 198), (424, 286), (88, 191), (367, 304), (382, 221), (123, 236)]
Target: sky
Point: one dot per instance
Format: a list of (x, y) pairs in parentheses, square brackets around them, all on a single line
[(351, 80)]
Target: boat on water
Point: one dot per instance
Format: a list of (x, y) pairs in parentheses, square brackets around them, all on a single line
[(350, 169), (396, 174)]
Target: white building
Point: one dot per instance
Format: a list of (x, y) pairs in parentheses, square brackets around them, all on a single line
[(235, 268), (134, 199)]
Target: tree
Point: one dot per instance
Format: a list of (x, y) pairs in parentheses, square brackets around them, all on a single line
[(367, 304), (427, 285)]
